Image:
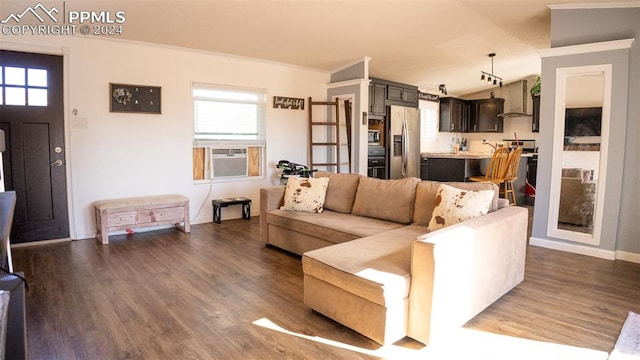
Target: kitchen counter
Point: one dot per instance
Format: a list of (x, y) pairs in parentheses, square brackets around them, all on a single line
[(445, 166), (462, 155)]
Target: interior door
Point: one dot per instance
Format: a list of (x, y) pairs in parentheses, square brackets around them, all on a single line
[(32, 116)]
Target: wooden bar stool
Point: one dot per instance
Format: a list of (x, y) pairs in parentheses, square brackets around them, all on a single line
[(503, 171), (511, 174), (496, 169)]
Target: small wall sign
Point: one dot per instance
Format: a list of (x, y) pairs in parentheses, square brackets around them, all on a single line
[(135, 98), (283, 102), (428, 97)]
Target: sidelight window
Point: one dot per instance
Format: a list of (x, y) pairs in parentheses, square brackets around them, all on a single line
[(21, 86)]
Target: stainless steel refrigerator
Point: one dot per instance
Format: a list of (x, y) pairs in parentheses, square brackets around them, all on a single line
[(404, 147)]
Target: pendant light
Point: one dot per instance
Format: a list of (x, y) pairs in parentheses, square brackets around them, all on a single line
[(490, 77)]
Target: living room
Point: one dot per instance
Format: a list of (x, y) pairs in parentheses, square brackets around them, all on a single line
[(113, 155)]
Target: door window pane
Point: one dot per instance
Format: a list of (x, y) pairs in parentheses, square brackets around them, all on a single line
[(14, 75), (37, 77), (37, 97), (14, 96)]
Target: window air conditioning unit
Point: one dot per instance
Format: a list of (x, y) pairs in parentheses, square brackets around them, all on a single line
[(231, 162)]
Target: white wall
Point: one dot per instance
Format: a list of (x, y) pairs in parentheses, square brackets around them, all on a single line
[(121, 155)]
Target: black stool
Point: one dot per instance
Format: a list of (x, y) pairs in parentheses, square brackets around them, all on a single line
[(220, 203)]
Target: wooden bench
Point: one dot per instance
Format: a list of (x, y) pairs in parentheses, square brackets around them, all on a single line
[(139, 212)]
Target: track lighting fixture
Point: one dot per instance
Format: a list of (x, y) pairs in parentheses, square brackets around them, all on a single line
[(491, 78)]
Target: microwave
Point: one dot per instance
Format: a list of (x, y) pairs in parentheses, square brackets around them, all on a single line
[(374, 137)]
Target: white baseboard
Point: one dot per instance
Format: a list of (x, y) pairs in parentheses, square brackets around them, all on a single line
[(573, 248), (85, 236), (41, 242), (586, 250), (628, 256)]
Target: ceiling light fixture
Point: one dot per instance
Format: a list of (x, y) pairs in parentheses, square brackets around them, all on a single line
[(443, 89), (491, 78)]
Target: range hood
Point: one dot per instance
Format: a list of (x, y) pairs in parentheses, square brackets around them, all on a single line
[(516, 104)]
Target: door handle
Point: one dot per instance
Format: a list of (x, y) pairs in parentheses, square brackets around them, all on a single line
[(405, 147), (56, 163)]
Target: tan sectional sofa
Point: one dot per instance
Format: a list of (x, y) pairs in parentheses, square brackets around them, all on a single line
[(371, 264)]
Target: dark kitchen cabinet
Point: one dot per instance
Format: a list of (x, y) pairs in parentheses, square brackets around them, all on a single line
[(403, 95), (535, 119), (424, 169), (484, 115), (384, 92), (445, 169), (377, 99), (454, 115), (457, 115), (453, 169)]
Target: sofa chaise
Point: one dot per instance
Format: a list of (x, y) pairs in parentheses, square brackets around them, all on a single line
[(371, 263)]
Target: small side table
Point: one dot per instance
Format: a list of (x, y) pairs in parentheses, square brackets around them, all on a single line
[(218, 204)]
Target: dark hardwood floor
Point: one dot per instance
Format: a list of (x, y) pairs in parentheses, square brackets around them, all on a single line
[(220, 293)]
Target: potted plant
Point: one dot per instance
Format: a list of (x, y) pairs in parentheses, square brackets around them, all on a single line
[(535, 89)]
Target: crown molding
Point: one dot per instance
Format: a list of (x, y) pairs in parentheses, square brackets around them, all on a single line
[(586, 48), (613, 5)]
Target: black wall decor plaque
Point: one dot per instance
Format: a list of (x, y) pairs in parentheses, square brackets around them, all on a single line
[(284, 102), (135, 98)]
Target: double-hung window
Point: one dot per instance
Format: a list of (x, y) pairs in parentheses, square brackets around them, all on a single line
[(229, 131)]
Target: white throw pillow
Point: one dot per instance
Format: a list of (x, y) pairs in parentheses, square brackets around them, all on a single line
[(305, 194), (455, 205)]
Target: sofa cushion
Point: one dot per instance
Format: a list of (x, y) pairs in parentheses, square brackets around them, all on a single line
[(376, 268), (341, 191), (329, 225), (391, 200), (305, 194), (426, 196), (455, 205)]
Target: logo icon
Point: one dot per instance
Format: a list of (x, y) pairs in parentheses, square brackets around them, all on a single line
[(35, 11)]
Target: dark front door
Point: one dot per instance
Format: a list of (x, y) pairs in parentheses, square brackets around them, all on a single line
[(32, 117)]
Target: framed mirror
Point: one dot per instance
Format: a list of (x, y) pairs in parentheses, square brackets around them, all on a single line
[(580, 143)]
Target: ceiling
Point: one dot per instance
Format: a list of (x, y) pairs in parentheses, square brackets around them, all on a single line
[(420, 42)]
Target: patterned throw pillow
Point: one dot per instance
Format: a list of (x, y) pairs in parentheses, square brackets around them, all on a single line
[(455, 205), (305, 194)]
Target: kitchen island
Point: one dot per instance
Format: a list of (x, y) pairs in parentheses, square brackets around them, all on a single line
[(445, 166), (453, 167)]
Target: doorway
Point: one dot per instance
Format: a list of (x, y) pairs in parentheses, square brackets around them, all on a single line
[(32, 117)]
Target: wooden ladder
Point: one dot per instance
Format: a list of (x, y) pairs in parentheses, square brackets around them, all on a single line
[(331, 159)]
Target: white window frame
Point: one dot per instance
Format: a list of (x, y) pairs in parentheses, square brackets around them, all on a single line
[(227, 138)]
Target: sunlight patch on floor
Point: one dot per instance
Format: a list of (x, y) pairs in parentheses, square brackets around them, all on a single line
[(463, 344)]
